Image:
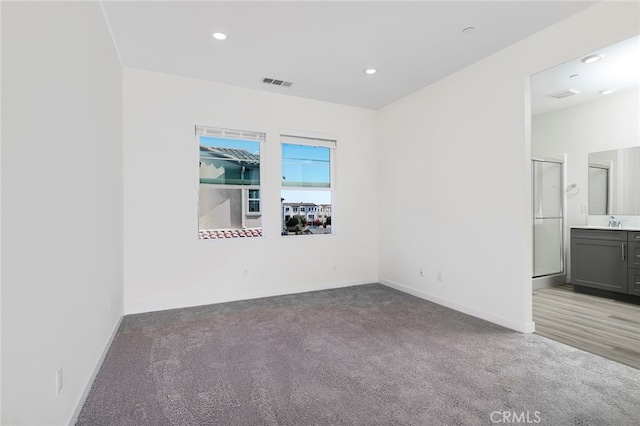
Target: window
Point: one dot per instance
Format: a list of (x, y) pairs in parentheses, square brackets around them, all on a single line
[(307, 182), (253, 201), (229, 203)]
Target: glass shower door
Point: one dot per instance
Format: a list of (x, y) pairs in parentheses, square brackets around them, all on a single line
[(548, 247)]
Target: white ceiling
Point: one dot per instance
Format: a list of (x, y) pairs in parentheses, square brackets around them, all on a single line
[(618, 69), (322, 47)]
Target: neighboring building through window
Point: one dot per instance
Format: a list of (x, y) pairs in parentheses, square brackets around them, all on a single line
[(253, 201), (307, 185), (229, 193)]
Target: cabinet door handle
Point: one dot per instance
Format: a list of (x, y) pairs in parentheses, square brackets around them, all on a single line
[(623, 253)]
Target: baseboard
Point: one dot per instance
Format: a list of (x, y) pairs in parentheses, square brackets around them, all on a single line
[(248, 296), (548, 281), (87, 388), (525, 327)]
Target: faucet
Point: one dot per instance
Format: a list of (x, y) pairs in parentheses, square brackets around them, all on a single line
[(614, 223)]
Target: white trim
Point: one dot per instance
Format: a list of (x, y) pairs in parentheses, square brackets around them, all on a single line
[(525, 327), (308, 135), (220, 132), (87, 388), (307, 141), (548, 281)]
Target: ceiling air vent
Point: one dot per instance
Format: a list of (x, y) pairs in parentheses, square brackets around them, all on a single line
[(276, 82), (564, 94)]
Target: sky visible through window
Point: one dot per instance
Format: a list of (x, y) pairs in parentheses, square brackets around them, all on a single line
[(308, 167)]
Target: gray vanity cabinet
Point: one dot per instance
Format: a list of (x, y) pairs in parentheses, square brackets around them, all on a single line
[(633, 281), (599, 260)]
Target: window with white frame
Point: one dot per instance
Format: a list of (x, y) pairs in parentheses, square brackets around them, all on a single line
[(229, 203), (253, 202), (307, 184)]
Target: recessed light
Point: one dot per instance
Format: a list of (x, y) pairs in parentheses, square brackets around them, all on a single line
[(591, 59), (607, 91), (219, 36), (370, 71), (468, 30)]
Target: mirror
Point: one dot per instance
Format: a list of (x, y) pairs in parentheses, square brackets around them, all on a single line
[(614, 182)]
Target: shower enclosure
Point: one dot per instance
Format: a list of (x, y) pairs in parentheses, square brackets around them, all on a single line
[(548, 221)]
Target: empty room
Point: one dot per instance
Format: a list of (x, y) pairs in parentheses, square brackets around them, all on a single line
[(305, 212)]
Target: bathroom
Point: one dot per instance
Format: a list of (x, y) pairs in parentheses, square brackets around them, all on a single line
[(567, 134), (585, 139)]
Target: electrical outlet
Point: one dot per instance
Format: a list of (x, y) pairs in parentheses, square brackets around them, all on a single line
[(58, 381), (584, 208), (439, 276), (421, 272), (110, 304)]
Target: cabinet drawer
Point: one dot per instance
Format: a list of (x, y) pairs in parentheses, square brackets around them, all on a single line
[(599, 234), (634, 255), (633, 283), (634, 236)]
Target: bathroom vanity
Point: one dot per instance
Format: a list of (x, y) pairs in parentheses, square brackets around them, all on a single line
[(606, 261)]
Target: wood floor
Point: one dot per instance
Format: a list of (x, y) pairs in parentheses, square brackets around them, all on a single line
[(602, 326)]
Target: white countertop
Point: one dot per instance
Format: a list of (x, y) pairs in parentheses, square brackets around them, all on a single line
[(626, 228)]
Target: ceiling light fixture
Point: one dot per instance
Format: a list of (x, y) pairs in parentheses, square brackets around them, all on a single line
[(607, 91), (468, 30), (370, 71), (219, 36), (591, 59)]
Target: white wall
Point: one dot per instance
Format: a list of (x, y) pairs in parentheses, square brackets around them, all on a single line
[(166, 266), (460, 156), (61, 204), (609, 123)]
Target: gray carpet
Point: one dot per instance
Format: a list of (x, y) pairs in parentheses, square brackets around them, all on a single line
[(365, 355)]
